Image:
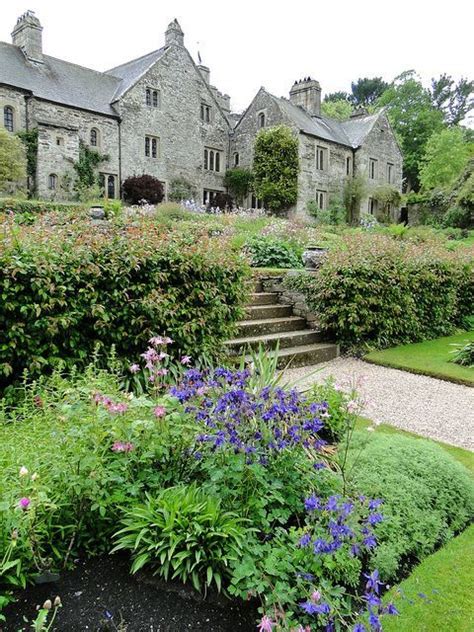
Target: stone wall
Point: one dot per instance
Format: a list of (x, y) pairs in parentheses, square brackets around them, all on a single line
[(16, 100), (380, 144), (176, 123), (291, 297)]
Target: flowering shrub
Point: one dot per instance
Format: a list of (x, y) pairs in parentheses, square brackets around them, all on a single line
[(67, 289), (379, 292)]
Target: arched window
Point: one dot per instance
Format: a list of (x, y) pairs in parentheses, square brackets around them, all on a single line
[(94, 137), (148, 96), (211, 161), (236, 159), (8, 118), (52, 181), (261, 119), (206, 159), (111, 187), (218, 161)]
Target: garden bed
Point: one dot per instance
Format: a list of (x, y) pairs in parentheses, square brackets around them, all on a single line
[(432, 357)]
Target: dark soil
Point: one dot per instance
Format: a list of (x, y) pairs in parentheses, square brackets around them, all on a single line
[(101, 595)]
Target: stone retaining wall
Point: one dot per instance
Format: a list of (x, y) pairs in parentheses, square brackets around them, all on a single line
[(274, 283)]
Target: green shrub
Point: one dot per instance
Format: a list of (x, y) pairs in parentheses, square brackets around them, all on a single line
[(336, 424), (36, 206), (268, 252), (144, 187), (464, 354), (376, 291), (181, 189), (183, 533), (457, 217), (66, 290), (428, 497)]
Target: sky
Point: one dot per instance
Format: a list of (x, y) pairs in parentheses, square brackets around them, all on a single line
[(250, 43)]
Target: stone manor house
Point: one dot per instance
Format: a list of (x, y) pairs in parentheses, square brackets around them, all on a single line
[(160, 115)]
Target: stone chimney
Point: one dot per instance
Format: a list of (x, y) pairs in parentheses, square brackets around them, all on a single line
[(359, 111), (307, 94), (174, 34), (205, 72), (27, 35)]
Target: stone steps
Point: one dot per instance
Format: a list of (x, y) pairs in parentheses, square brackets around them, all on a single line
[(272, 325)]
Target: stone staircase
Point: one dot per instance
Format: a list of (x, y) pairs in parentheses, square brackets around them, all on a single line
[(271, 324)]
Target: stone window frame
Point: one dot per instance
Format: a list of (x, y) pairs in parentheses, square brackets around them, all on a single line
[(390, 172), (372, 206), (236, 159), (322, 158), (59, 141), (152, 97), (373, 168), (152, 147), (205, 112), (104, 177), (321, 199), (349, 166), (9, 117), (261, 119), (255, 202), (213, 159), (95, 137), (53, 181)]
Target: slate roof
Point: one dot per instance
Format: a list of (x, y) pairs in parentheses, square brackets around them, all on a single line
[(130, 72), (350, 133), (59, 81)]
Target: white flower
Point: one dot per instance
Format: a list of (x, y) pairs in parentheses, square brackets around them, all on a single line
[(23, 471), (34, 476)]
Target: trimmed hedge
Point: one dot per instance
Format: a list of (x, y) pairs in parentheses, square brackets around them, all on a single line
[(66, 290), (429, 497), (36, 206), (373, 291)]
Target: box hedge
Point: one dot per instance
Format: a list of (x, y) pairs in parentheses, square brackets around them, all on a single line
[(15, 205), (67, 289), (374, 291)]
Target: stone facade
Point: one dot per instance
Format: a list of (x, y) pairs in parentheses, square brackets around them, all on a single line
[(160, 115)]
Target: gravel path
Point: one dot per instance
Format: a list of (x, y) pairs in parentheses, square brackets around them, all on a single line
[(423, 405)]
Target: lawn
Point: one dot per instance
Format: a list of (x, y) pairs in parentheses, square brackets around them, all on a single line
[(438, 594), (431, 357)]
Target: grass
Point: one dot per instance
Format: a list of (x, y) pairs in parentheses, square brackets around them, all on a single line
[(438, 594), (463, 456), (431, 357)]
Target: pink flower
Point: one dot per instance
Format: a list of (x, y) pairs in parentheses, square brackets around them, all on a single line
[(316, 596), (352, 406), (134, 368), (120, 446), (117, 408), (159, 411), (162, 372), (24, 503), (167, 341), (156, 341), (185, 360), (266, 624), (163, 355)]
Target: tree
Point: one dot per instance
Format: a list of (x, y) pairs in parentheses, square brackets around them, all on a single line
[(340, 110), (275, 167), (414, 119), (142, 188), (366, 91), (238, 182), (12, 159), (336, 96), (446, 156), (455, 101)]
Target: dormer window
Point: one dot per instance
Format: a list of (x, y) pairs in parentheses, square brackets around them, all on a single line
[(8, 118), (261, 120), (205, 113)]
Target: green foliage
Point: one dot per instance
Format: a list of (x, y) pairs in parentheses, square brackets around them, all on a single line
[(336, 96), (182, 532), (86, 168), (335, 214), (464, 354), (181, 189), (275, 167), (366, 91), (67, 288), (30, 140), (137, 189), (446, 157), (16, 205), (428, 497), (387, 195), (337, 399), (336, 109), (238, 181), (13, 163), (354, 191), (378, 291), (414, 119), (268, 252), (455, 101)]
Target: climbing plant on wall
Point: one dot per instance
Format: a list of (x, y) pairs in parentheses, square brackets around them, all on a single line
[(86, 168)]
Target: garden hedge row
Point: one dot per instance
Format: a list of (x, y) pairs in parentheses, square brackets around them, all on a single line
[(66, 290), (375, 291), (36, 206)]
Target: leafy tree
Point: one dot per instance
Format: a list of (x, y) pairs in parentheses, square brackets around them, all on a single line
[(446, 156), (414, 119), (12, 159), (238, 182), (366, 91), (336, 96), (340, 109), (275, 167), (454, 100)]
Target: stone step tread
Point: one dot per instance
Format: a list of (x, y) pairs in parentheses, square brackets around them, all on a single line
[(271, 337), (268, 306), (270, 321), (305, 351), (253, 294)]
